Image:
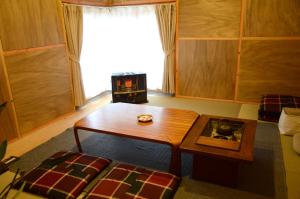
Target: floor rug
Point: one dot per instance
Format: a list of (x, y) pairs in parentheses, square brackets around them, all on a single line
[(264, 178)]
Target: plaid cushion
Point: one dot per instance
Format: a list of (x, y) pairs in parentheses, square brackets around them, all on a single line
[(271, 106), (128, 182), (63, 175)]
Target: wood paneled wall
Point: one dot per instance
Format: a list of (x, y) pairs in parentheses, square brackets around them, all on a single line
[(269, 67), (36, 62), (213, 18), (8, 125), (8, 129), (4, 85), (266, 35), (213, 59), (269, 18), (42, 91), (29, 24)]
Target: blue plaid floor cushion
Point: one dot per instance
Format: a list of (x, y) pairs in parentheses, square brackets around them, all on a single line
[(271, 106), (130, 182), (63, 175)]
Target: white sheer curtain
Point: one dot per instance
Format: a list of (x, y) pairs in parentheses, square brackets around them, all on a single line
[(120, 39)]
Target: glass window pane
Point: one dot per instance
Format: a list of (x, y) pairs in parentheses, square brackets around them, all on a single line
[(120, 39)]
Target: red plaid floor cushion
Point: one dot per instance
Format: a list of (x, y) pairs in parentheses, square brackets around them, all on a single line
[(271, 106), (63, 175), (128, 182)]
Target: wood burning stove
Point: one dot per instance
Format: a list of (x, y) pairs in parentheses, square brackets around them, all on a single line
[(129, 87)]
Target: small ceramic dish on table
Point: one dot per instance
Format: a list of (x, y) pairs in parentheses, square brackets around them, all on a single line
[(144, 118)]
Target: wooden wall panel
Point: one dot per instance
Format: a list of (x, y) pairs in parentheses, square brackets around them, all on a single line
[(7, 124), (3, 95), (207, 68), (4, 90), (209, 18), (3, 98), (30, 23), (269, 67), (8, 128), (272, 18), (41, 88)]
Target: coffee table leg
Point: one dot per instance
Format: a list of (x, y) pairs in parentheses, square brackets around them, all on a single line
[(175, 165), (77, 140)]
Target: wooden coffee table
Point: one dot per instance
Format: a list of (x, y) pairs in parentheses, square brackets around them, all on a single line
[(216, 160), (169, 126)]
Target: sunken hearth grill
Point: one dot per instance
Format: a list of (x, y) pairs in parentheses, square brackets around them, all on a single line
[(225, 129), (222, 133)]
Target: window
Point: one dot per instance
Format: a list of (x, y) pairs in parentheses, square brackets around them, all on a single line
[(120, 39)]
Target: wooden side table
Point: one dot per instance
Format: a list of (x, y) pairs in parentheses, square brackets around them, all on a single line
[(214, 162)]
